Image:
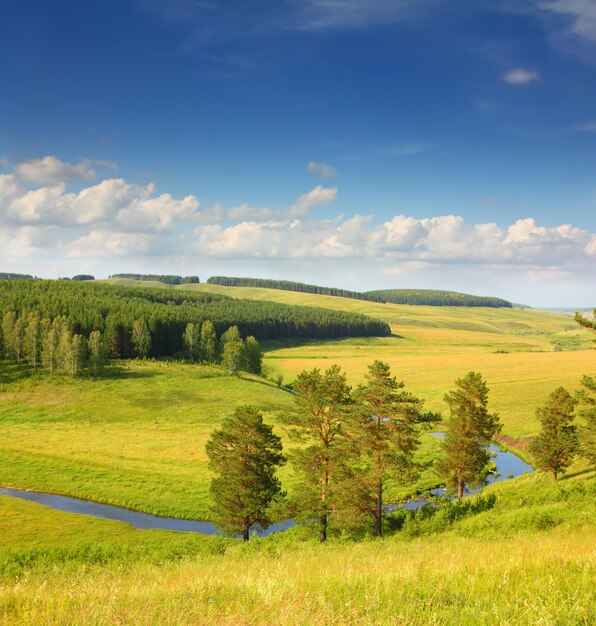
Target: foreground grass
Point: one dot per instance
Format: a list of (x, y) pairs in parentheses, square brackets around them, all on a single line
[(529, 560), (438, 581)]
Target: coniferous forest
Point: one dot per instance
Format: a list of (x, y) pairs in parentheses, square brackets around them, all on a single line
[(113, 310), (288, 285), (433, 297)]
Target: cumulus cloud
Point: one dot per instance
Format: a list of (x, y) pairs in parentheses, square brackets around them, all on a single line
[(520, 77), (51, 170), (321, 169), (433, 240), (129, 206), (103, 243)]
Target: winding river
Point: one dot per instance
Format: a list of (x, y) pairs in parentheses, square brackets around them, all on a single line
[(508, 466)]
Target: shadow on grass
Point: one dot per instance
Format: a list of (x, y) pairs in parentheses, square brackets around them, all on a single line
[(267, 383), (582, 472), (278, 344)]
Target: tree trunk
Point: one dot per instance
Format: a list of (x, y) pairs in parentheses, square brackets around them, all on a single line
[(323, 535), (379, 510), (245, 533), (460, 488), (555, 475)]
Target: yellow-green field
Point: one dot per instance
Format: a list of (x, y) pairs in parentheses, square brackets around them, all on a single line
[(514, 349), (136, 438), (530, 560)]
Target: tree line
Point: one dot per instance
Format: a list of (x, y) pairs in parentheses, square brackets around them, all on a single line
[(355, 441), (168, 279), (288, 285), (432, 297), (54, 346), (113, 309)]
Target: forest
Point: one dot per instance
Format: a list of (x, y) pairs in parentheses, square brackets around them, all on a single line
[(167, 279), (288, 285), (113, 310), (433, 297)]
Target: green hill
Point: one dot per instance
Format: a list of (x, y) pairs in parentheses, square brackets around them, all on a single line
[(433, 297)]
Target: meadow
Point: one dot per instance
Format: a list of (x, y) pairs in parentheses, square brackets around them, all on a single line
[(528, 560), (135, 437)]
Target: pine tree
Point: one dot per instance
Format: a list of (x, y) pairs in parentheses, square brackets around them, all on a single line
[(254, 356), (208, 342), (141, 338), (556, 444), (469, 432), (321, 408), (387, 437), (191, 341), (244, 454)]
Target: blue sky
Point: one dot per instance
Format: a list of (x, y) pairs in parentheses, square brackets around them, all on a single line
[(361, 144)]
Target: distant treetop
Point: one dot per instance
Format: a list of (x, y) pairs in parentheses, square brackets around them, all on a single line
[(288, 285), (432, 297), (83, 277), (9, 276), (167, 279)]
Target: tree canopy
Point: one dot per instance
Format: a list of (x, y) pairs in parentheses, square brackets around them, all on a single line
[(244, 454)]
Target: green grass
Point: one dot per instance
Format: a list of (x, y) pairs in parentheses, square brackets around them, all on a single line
[(527, 560), (135, 440)]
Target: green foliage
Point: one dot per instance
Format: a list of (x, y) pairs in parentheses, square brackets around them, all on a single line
[(192, 341), (112, 309), (386, 437), (98, 353), (244, 454), (557, 443), (167, 279), (584, 321), (586, 398), (11, 276), (254, 356), (433, 297), (208, 342), (234, 357), (288, 285), (467, 434), (322, 405), (141, 338), (83, 277)]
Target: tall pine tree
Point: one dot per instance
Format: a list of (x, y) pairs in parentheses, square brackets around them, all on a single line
[(387, 437), (468, 433), (556, 444), (244, 454)]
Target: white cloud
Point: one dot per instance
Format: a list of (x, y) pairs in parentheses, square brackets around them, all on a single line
[(129, 206), (321, 169), (51, 170), (316, 196), (103, 243), (436, 240), (520, 77), (581, 13)]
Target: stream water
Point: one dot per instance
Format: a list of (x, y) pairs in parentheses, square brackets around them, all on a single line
[(508, 466)]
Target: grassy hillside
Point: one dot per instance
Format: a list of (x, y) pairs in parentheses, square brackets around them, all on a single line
[(528, 560), (136, 439)]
